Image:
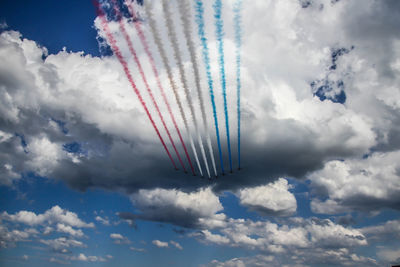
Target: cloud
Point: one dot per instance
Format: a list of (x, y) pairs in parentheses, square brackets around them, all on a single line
[(389, 255), (274, 238), (62, 244), (270, 199), (298, 134), (8, 238), (62, 228), (119, 239), (54, 215), (58, 261), (176, 244), (214, 238), (137, 249), (173, 206), (301, 258), (83, 257), (160, 244), (369, 184), (384, 232), (103, 221), (116, 236), (3, 25)]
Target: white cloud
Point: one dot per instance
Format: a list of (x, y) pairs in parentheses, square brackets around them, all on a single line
[(137, 249), (215, 238), (9, 238), (173, 206), (203, 202), (58, 261), (299, 258), (274, 238), (298, 133), (104, 221), (116, 236), (119, 239), (62, 243), (364, 184), (3, 25), (47, 230), (383, 232), (159, 243), (270, 199), (69, 230), (389, 255), (176, 244), (83, 257), (327, 234), (51, 216)]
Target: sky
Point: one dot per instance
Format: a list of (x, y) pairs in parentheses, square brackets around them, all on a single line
[(85, 181)]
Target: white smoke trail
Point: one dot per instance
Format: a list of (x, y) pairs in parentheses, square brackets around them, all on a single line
[(185, 15), (164, 58), (177, 55)]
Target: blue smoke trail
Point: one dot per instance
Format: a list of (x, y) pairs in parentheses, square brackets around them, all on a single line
[(219, 32), (206, 59), (238, 40)]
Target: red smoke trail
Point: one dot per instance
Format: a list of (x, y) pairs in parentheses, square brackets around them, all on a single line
[(153, 65), (133, 52), (124, 64)]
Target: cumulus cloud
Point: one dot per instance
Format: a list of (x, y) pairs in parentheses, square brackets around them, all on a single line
[(62, 244), (274, 238), (176, 244), (8, 238), (83, 257), (291, 127), (116, 236), (55, 221), (358, 184), (160, 244), (137, 249), (270, 199), (62, 228), (51, 216), (119, 239), (383, 232), (173, 206), (103, 221), (389, 255), (300, 258)]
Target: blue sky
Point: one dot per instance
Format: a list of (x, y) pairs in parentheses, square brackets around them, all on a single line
[(85, 182)]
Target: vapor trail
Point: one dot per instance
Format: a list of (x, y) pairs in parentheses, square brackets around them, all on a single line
[(164, 58), (174, 40), (185, 14), (238, 39), (137, 61), (219, 32), (155, 71), (206, 59), (128, 74)]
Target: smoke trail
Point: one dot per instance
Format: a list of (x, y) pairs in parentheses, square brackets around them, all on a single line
[(137, 61), (174, 40), (164, 58), (219, 32), (155, 71), (184, 10), (238, 40), (128, 74), (206, 59)]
